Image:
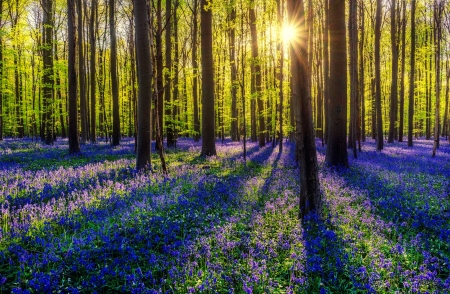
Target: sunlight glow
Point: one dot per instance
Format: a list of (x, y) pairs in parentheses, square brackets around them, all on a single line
[(288, 33)]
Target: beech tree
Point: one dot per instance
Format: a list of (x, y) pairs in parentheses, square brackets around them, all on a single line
[(411, 74), (336, 154), (143, 154), (310, 196), (114, 78), (74, 143), (208, 111)]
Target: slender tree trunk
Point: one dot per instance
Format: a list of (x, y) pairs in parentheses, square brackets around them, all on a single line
[(93, 69), (281, 77), (176, 91), (47, 80), (208, 111), (256, 66), (337, 115), (159, 90), (195, 72), (362, 90), (378, 76), (74, 143), (167, 92), (60, 99), (310, 196), (326, 68), (114, 78), (394, 48), (143, 154), (82, 75), (234, 112), (353, 25), (412, 69), (402, 75), (438, 10), (1, 74), (447, 88)]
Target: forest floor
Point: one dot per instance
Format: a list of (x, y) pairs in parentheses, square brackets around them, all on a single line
[(91, 223)]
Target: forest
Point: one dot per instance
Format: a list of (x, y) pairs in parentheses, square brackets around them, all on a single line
[(234, 146)]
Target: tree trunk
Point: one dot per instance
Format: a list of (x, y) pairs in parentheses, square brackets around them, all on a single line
[(362, 114), (438, 10), (447, 88), (378, 77), (195, 71), (232, 40), (353, 28), (1, 74), (74, 143), (82, 74), (143, 154), (326, 68), (93, 69), (256, 71), (411, 79), (159, 89), (337, 112), (281, 77), (208, 111), (47, 80), (402, 75), (114, 78), (168, 116), (310, 196), (394, 48)]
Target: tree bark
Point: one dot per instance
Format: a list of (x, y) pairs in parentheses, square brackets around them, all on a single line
[(353, 28), (208, 111), (394, 82), (378, 77), (93, 69), (232, 40), (310, 196), (336, 154), (47, 79), (438, 10), (168, 115), (114, 78), (143, 154), (195, 72), (82, 74), (256, 71), (402, 75), (74, 143), (411, 79)]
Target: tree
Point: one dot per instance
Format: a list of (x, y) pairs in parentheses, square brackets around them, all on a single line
[(402, 75), (143, 154), (82, 75), (336, 154), (114, 78), (256, 82), (74, 143), (195, 71), (232, 40), (438, 11), (411, 74), (93, 69), (208, 111), (1, 73), (310, 196), (394, 48), (379, 114), (168, 103), (353, 28), (47, 79)]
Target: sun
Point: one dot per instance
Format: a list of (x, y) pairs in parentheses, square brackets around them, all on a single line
[(288, 33)]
